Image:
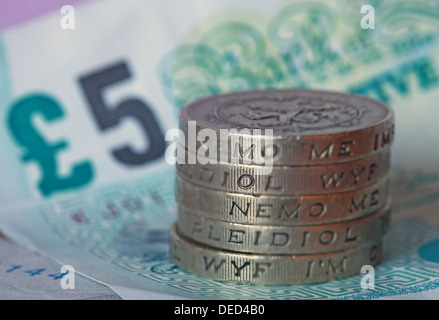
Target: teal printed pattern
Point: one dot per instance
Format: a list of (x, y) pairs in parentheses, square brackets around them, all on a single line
[(430, 251), (128, 225), (423, 69), (395, 292), (309, 44), (36, 147)]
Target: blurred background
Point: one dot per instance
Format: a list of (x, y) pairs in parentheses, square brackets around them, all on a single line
[(88, 90)]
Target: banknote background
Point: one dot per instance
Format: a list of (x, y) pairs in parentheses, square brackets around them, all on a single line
[(72, 195)]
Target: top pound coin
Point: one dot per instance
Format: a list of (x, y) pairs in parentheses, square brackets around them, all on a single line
[(308, 127)]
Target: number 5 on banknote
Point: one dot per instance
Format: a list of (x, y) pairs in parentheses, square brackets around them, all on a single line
[(106, 118)]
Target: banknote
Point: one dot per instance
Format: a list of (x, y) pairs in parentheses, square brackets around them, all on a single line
[(85, 107), (27, 275)]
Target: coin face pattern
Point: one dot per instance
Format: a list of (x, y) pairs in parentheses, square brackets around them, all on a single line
[(278, 187), (288, 112), (308, 127)]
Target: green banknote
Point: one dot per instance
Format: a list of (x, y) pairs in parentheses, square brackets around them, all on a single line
[(84, 115)]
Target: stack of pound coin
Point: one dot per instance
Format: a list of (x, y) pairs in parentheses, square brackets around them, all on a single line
[(278, 187)]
